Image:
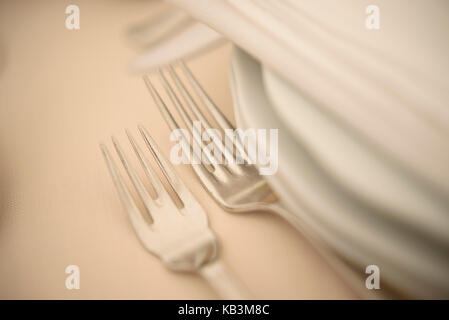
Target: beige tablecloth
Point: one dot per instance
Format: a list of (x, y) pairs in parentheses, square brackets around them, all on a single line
[(61, 93)]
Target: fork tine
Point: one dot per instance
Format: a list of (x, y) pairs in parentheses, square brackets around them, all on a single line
[(217, 141), (176, 184), (174, 98), (124, 194), (142, 191), (188, 98), (155, 182), (196, 133), (218, 116), (171, 122), (160, 104)]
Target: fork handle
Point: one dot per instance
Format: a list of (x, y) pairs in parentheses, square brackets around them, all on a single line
[(344, 270), (223, 281)]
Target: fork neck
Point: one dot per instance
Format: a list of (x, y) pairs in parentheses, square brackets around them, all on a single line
[(192, 254)]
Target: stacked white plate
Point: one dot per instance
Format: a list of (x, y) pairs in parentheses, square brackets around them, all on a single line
[(364, 224)]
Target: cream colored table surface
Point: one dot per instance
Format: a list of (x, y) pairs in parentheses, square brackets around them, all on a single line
[(61, 93)]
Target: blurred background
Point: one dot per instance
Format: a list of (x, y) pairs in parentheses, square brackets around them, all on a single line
[(363, 143)]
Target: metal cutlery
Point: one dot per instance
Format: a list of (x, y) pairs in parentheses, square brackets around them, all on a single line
[(236, 187), (174, 228)]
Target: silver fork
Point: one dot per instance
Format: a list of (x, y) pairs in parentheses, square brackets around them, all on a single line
[(235, 187), (175, 231)]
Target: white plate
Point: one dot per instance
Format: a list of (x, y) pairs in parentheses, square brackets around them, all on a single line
[(356, 166), (349, 227), (151, 31), (391, 104)]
